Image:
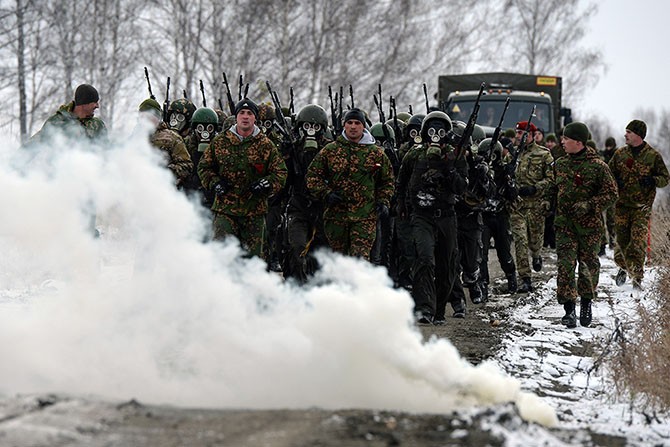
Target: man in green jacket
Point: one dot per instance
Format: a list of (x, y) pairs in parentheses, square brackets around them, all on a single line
[(354, 178), (243, 168), (638, 170)]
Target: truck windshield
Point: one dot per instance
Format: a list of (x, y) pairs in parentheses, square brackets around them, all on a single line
[(490, 111)]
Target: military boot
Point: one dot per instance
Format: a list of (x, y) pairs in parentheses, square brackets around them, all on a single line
[(511, 283), (585, 312), (620, 277), (525, 286), (475, 294), (485, 291), (537, 263), (569, 319)]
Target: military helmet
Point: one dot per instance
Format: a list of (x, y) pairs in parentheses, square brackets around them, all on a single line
[(205, 115), (457, 133), (413, 128), (266, 116), (312, 113), (436, 115), (151, 105), (378, 132), (179, 114), (478, 133), (486, 152), (403, 116)]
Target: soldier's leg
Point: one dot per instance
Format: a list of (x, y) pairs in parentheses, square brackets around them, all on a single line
[(609, 221), (252, 234), (488, 220), (337, 234), (535, 230), (362, 237), (502, 236), (622, 221), (589, 263), (423, 271), (636, 251), (447, 267), (520, 237), (566, 250), (222, 226), (469, 246), (405, 251), (298, 234)]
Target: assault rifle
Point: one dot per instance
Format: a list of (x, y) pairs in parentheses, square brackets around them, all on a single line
[(202, 90), (470, 126), (239, 88), (425, 95), (351, 95), (291, 105), (496, 132), (510, 168), (288, 143), (396, 126), (229, 96), (388, 143), (166, 104), (146, 75)]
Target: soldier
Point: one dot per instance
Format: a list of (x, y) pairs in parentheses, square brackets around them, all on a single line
[(243, 168), (170, 144), (354, 178), (204, 127), (608, 152), (638, 170), (430, 178), (583, 187), (557, 151), (534, 175), (179, 114), (76, 118), (303, 223), (495, 218)]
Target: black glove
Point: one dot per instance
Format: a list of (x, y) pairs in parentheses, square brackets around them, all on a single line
[(526, 191), (333, 198), (260, 187), (481, 170), (221, 188), (647, 181), (382, 210)]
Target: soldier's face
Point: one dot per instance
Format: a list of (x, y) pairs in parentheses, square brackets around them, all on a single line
[(571, 146), (245, 120), (89, 109), (353, 129), (632, 139)]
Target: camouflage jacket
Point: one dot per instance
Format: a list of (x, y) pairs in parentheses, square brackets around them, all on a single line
[(535, 169), (423, 175), (70, 125), (173, 150), (240, 163), (583, 188), (628, 166), (360, 173)]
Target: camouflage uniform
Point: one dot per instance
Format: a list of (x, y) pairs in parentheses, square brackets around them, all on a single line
[(174, 151), (433, 224), (240, 163), (633, 209), (66, 122), (361, 173), (583, 188), (527, 213)]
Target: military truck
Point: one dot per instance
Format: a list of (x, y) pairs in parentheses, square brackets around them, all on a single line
[(457, 94)]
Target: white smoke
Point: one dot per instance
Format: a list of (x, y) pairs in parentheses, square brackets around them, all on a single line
[(151, 311)]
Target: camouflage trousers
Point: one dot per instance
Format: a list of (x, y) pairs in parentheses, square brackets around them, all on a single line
[(528, 234), (351, 237), (250, 230), (577, 245), (631, 226)]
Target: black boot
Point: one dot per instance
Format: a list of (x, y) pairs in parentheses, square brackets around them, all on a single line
[(585, 312), (569, 319), (620, 277), (526, 286), (485, 291), (602, 250), (511, 283), (537, 263), (475, 294)]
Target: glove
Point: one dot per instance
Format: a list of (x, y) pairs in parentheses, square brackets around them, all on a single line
[(526, 191), (581, 208), (382, 210), (333, 198), (221, 188), (647, 181), (260, 187)]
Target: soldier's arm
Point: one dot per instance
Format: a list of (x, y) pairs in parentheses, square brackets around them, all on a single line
[(385, 187), (207, 171), (180, 160), (548, 174), (316, 175), (660, 172), (277, 171), (608, 192), (404, 174)]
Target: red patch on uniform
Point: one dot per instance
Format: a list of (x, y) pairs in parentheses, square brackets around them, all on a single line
[(260, 167), (376, 166), (579, 180), (629, 163)]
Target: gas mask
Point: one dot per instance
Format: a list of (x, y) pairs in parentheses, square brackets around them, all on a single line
[(309, 132), (415, 136), (437, 134), (177, 121), (265, 125), (204, 133)]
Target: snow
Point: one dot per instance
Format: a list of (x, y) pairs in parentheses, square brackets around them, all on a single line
[(150, 311)]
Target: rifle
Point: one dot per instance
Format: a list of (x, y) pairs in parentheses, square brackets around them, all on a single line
[(339, 110), (185, 95), (333, 113), (394, 113), (470, 126), (202, 90), (410, 109), (291, 106), (496, 132), (166, 104), (246, 90), (351, 95), (286, 133), (146, 75), (239, 88), (425, 95), (388, 144), (220, 103), (512, 165), (229, 96)]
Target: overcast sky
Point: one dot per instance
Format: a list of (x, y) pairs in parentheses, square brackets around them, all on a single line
[(635, 39)]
